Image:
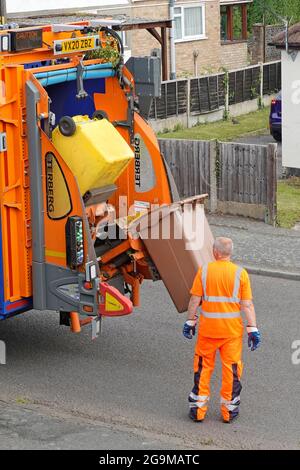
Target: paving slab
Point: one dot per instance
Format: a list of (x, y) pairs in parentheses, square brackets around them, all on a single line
[(259, 245)]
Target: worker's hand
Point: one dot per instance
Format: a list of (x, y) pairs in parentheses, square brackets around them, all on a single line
[(189, 329), (254, 338)]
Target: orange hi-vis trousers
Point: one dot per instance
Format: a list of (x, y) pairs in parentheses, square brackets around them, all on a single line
[(232, 367)]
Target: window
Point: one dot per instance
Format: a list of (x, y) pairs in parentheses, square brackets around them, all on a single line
[(189, 22), (234, 22)]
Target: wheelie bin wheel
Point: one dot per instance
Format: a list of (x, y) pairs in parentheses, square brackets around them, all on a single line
[(100, 114), (67, 126)]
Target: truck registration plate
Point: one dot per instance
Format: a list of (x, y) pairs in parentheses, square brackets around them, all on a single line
[(69, 46)]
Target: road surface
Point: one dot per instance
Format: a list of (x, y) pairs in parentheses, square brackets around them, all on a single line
[(129, 388)]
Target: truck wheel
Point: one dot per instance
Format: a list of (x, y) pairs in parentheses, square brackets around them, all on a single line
[(67, 126), (100, 114)]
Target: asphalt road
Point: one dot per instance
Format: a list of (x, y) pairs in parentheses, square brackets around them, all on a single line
[(263, 139), (128, 389)]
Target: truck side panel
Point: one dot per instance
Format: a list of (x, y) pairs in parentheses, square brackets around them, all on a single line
[(14, 195), (1, 276)]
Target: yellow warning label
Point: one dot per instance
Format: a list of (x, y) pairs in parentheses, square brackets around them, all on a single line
[(112, 304)]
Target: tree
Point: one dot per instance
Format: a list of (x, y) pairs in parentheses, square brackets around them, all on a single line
[(267, 10)]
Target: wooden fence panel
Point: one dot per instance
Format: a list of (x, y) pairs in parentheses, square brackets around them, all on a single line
[(245, 174), (189, 164), (173, 100), (244, 85), (207, 93), (272, 78)]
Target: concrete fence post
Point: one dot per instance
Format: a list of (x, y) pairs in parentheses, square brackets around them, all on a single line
[(261, 85), (226, 91), (188, 103), (213, 197)]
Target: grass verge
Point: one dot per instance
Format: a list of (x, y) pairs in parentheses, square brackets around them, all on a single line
[(251, 123), (288, 202)]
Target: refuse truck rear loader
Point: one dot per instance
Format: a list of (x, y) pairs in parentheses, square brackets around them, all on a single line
[(83, 181)]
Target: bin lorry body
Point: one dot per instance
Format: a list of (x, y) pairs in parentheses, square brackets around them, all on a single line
[(51, 255)]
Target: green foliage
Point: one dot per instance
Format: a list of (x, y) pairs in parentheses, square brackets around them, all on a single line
[(108, 53), (237, 22), (178, 127), (225, 130), (288, 202), (262, 10), (218, 168)]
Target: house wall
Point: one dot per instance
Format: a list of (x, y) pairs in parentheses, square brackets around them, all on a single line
[(19, 6), (192, 57), (208, 50), (234, 55), (141, 42)]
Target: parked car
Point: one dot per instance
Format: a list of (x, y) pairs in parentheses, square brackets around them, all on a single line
[(276, 118)]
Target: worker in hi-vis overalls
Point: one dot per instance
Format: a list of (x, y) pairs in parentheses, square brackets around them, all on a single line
[(223, 290)]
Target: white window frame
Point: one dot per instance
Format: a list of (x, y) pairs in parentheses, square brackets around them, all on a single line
[(184, 7)]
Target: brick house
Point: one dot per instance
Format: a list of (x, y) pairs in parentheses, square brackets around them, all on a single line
[(19, 8), (209, 34)]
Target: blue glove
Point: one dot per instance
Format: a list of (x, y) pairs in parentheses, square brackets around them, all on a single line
[(254, 338), (189, 329)]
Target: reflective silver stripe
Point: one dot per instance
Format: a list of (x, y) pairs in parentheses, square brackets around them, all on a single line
[(231, 300), (198, 404), (230, 402), (221, 314), (231, 405), (237, 282), (204, 277), (199, 397)]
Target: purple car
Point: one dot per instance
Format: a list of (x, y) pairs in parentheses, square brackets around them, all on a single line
[(276, 119)]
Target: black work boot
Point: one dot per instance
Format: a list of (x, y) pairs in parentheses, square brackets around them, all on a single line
[(193, 416)]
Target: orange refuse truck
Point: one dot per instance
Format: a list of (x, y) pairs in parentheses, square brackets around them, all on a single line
[(79, 165)]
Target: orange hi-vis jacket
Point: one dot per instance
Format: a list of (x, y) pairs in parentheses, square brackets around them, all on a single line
[(222, 285)]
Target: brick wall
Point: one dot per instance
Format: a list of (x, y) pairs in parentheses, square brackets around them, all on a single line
[(211, 55), (256, 44), (141, 42), (208, 50), (234, 55), (259, 46)]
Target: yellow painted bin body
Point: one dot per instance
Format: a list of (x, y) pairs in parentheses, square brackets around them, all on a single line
[(96, 153)]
